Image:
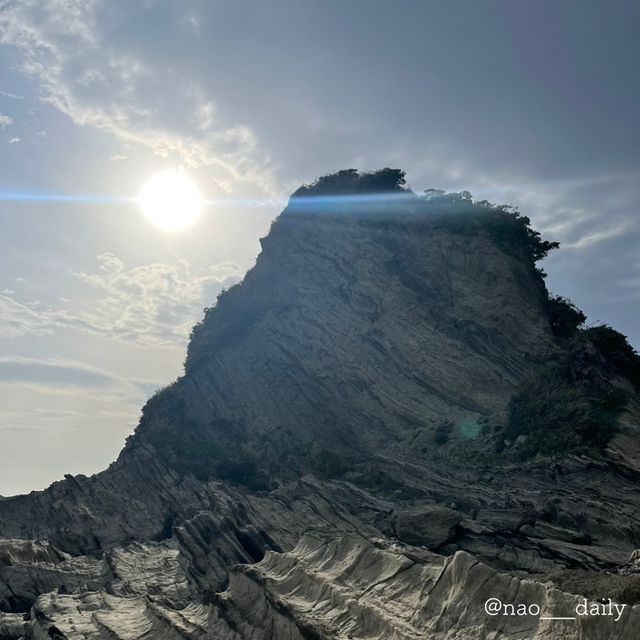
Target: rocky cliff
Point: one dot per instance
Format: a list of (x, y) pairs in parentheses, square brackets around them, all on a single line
[(388, 422)]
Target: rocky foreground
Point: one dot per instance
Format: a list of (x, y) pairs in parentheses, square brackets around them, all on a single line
[(346, 457)]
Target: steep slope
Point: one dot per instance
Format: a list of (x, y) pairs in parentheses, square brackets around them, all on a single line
[(358, 448), (354, 330)]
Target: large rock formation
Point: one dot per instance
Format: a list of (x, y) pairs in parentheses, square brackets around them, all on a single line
[(359, 448)]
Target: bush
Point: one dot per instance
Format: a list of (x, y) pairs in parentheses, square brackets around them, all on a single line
[(569, 406), (511, 231), (558, 418), (564, 316), (616, 350), (349, 181)]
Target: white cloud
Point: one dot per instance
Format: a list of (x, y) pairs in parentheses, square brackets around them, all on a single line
[(155, 302), (68, 51), (599, 235), (5, 121), (17, 319), (14, 140), (8, 94), (193, 22), (117, 156), (149, 304), (53, 374)]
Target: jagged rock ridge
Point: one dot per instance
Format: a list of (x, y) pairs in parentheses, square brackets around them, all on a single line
[(335, 461)]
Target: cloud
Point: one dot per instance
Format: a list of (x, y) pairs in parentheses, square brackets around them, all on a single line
[(74, 386), (60, 415), (149, 304), (54, 373), (8, 94), (599, 235), (68, 47), (17, 319), (14, 140), (5, 121), (155, 302)]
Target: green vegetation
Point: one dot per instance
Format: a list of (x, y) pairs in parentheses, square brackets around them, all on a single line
[(558, 417), (573, 405), (512, 232), (564, 316), (616, 350), (350, 181), (209, 458), (219, 450)]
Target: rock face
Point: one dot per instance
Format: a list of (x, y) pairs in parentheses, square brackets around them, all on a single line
[(333, 463)]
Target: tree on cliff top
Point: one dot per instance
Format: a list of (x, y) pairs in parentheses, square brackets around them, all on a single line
[(350, 181)]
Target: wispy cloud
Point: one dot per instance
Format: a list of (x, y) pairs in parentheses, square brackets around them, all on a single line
[(8, 94), (17, 319), (67, 48), (149, 304), (56, 373), (5, 121), (599, 235)]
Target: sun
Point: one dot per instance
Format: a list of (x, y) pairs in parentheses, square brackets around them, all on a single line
[(170, 200)]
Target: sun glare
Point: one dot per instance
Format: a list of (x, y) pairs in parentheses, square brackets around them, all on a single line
[(170, 200)]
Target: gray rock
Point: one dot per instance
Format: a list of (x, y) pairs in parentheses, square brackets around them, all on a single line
[(430, 526)]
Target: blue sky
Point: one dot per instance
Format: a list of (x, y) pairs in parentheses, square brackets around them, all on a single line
[(529, 103)]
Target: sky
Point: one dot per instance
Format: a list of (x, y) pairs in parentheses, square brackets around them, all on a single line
[(534, 104)]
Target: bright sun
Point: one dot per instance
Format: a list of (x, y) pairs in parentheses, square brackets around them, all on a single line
[(170, 200)]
